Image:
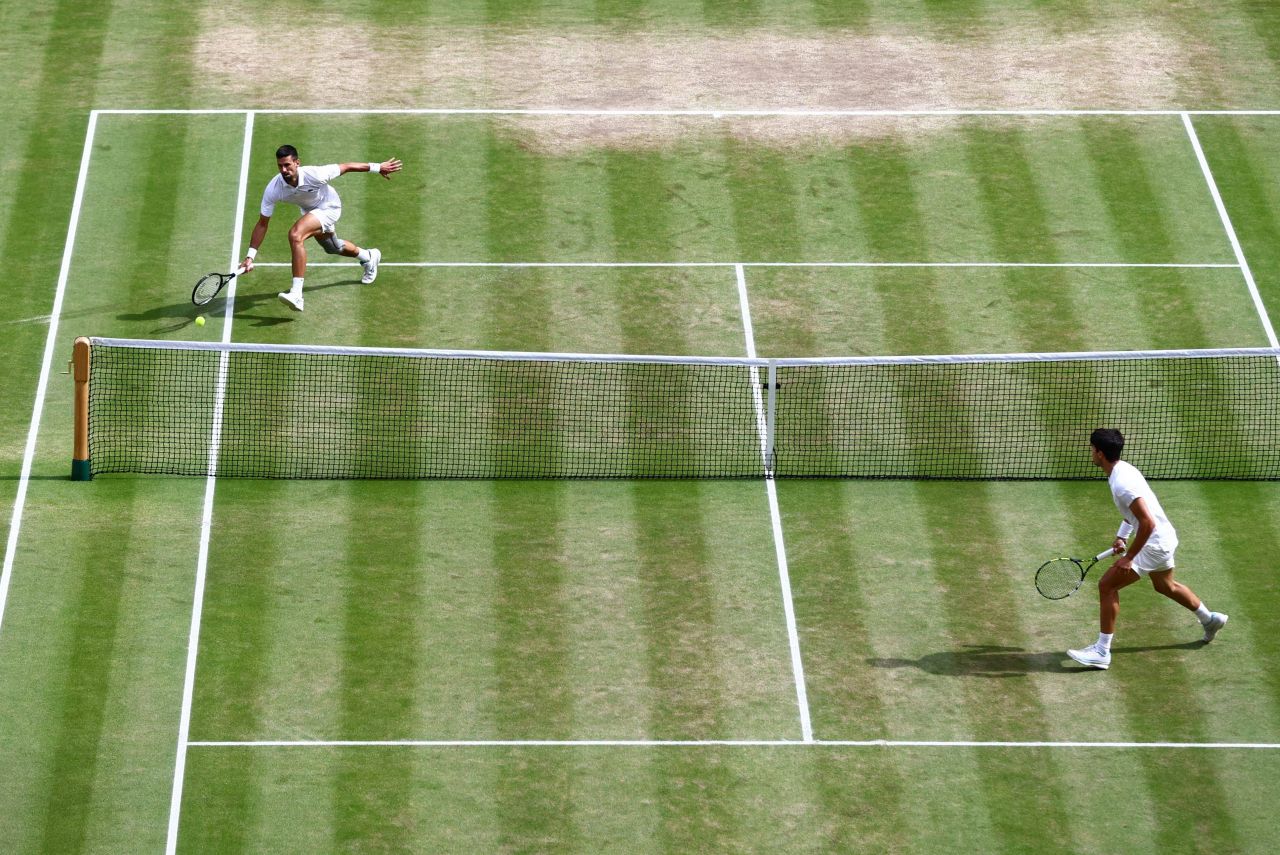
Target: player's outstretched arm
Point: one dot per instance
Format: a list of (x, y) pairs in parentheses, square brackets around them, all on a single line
[(385, 168), (255, 241)]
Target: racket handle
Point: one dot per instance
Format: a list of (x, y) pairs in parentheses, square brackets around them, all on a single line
[(1108, 552)]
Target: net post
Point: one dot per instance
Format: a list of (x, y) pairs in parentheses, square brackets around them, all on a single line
[(80, 469), (771, 418)]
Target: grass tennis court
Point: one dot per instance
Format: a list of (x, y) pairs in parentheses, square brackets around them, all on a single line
[(591, 666)]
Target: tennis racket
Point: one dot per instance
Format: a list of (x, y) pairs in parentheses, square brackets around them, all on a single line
[(211, 285), (1059, 578)]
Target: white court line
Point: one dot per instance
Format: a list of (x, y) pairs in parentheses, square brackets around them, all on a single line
[(20, 500), (206, 518), (775, 517), (700, 743), (1030, 264), (712, 113), (1231, 232)]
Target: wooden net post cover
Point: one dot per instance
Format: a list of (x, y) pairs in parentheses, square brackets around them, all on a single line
[(80, 469)]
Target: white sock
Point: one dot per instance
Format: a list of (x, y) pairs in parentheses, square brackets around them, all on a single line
[(1202, 612), (1104, 640), (362, 256), (297, 286)]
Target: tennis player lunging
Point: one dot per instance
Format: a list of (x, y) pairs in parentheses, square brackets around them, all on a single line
[(1150, 553), (308, 187)]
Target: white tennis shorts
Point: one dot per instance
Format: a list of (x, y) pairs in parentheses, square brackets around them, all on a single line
[(1154, 557), (328, 218)]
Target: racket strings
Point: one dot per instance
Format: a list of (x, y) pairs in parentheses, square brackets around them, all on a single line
[(207, 288), (1059, 578)]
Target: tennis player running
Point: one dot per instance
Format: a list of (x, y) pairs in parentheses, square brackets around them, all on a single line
[(1150, 553), (308, 187)]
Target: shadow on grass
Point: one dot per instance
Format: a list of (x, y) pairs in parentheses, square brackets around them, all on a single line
[(990, 660), (176, 316)]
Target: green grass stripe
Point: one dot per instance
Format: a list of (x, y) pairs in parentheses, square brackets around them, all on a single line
[(763, 209), (1146, 698), (58, 71), (852, 14), (1240, 153), (1045, 314), (777, 809), (1138, 219), (535, 695), (516, 231), (1265, 25), (458, 154), (886, 196), (734, 14), (84, 695), (980, 608), (385, 599), (232, 684), (1227, 571)]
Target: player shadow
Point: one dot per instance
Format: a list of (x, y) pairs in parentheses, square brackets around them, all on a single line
[(995, 661), (182, 315)]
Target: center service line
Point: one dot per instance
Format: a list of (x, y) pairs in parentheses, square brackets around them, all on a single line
[(775, 516)]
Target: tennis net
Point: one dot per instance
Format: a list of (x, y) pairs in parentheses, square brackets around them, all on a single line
[(285, 411)]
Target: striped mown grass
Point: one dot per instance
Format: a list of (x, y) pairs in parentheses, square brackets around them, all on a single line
[(637, 611)]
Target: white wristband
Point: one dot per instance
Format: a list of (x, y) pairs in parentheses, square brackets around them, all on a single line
[(1125, 530), (375, 167), (252, 253)]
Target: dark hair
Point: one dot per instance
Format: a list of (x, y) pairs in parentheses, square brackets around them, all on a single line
[(286, 151), (1109, 441)]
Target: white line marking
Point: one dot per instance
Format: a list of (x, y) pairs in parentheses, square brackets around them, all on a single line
[(962, 264), (775, 517), (206, 517), (1231, 232), (699, 743), (51, 340), (34, 319), (712, 113)]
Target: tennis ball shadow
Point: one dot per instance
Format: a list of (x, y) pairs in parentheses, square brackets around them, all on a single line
[(180, 315)]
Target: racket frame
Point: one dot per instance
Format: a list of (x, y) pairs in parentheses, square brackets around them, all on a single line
[(223, 280), (1079, 563)]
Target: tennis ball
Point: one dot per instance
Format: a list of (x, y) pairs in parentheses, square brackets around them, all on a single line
[(200, 320)]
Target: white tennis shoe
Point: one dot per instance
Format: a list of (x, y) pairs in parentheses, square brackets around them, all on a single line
[(1092, 656), (371, 266), (293, 301), (1217, 620)]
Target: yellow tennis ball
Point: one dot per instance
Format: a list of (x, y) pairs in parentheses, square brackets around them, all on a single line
[(200, 320)]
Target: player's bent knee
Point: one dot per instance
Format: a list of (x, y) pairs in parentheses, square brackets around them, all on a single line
[(331, 242)]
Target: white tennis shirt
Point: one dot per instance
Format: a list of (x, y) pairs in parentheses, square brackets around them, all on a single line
[(1128, 484), (313, 190)]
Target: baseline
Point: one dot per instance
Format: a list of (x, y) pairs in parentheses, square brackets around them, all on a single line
[(1031, 264), (730, 743), (712, 113)]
